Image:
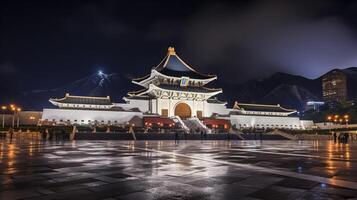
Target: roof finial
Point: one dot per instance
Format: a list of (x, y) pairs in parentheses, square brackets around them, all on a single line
[(236, 106), (171, 51)]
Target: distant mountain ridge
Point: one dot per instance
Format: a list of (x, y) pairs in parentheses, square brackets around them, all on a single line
[(112, 85), (288, 90)]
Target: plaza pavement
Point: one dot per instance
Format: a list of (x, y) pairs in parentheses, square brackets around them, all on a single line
[(33, 169)]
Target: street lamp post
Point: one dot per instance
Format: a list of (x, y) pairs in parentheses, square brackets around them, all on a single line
[(13, 115), (329, 118), (3, 108), (346, 120), (18, 117)]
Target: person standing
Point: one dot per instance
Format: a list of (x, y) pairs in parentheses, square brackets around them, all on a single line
[(176, 137), (334, 137), (347, 135), (11, 133)]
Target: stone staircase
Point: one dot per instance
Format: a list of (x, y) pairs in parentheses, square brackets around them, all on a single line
[(179, 121), (284, 134), (195, 124)]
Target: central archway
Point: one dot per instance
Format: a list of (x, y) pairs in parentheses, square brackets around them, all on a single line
[(183, 110)]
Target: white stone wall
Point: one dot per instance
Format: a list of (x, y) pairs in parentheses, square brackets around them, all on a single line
[(250, 121), (307, 124), (87, 116)]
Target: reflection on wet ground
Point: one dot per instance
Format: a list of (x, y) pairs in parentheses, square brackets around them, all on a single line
[(32, 169)]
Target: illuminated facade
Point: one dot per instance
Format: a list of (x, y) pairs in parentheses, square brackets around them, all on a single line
[(334, 87), (173, 89)]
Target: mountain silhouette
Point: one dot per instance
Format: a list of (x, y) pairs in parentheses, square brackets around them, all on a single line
[(99, 84)]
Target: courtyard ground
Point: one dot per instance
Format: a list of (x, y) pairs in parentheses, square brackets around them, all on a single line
[(33, 169)]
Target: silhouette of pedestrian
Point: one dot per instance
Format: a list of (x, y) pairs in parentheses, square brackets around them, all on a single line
[(43, 134), (346, 137), (334, 137), (176, 137), (11, 132), (261, 136), (63, 133)]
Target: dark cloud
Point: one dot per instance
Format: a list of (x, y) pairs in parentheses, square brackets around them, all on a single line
[(91, 18), (7, 69), (305, 38)]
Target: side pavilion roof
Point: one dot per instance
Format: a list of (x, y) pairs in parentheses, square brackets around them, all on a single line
[(83, 100)]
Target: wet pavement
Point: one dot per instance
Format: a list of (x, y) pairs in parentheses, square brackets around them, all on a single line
[(32, 169)]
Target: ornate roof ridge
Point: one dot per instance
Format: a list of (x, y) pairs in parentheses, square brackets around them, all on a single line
[(77, 96), (237, 106)]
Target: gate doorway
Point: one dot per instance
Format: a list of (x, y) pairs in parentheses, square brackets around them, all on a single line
[(183, 110)]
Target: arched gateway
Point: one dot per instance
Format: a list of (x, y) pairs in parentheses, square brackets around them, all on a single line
[(183, 110)]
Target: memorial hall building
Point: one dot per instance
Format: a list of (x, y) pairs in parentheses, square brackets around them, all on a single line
[(172, 90)]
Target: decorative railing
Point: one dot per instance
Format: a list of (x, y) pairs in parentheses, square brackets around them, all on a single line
[(179, 120), (200, 123)]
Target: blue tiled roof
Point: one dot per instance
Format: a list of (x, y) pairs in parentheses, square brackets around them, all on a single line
[(173, 66)]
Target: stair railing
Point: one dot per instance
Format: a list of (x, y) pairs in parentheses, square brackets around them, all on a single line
[(183, 125)]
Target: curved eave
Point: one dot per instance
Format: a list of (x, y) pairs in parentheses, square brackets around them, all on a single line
[(138, 80), (218, 102), (54, 101), (145, 82), (214, 77), (138, 93), (212, 93)]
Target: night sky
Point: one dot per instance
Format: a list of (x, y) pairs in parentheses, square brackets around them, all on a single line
[(48, 44)]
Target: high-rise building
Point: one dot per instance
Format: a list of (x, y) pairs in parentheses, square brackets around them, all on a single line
[(334, 87)]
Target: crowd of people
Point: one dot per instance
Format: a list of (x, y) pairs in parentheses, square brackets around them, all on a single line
[(341, 137), (55, 134), (52, 134)]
